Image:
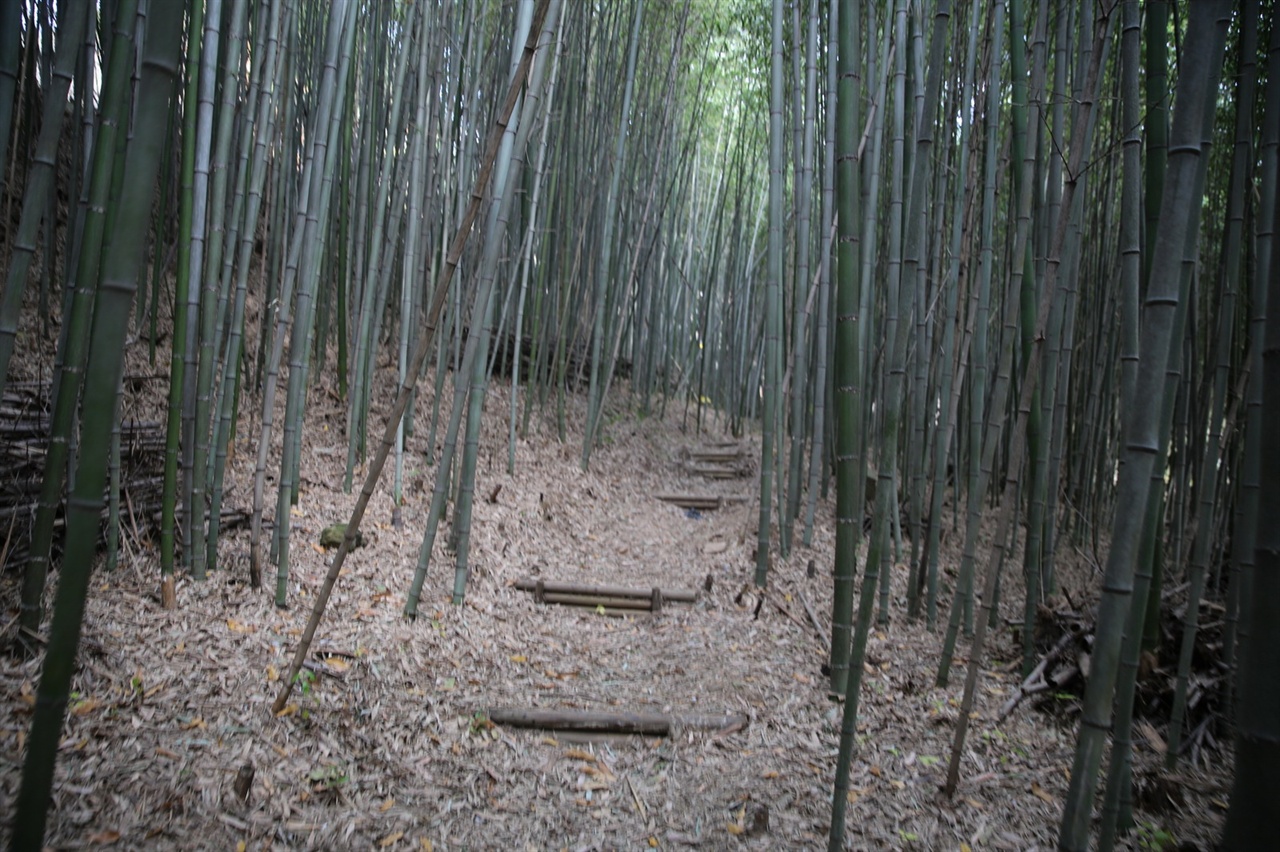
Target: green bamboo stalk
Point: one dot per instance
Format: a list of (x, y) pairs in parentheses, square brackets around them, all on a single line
[(846, 22), (604, 266), (1203, 50), (773, 304), (1251, 816), (40, 176), (77, 322), (320, 171), (438, 297), (10, 53), (121, 269), (1081, 136)]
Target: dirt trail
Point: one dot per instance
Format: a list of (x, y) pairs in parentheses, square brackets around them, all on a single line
[(382, 746)]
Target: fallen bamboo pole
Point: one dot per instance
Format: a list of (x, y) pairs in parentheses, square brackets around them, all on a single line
[(529, 584), (652, 724)]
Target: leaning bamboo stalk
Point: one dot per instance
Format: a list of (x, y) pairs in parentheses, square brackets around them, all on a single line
[(419, 355)]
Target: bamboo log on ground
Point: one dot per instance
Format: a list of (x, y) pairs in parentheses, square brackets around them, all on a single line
[(529, 584), (652, 724), (702, 502)]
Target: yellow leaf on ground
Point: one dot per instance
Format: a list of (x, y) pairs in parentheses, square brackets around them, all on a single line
[(427, 845), (387, 805), (734, 829), (272, 674), (772, 773), (236, 627), (518, 658), (110, 835), (1040, 793), (579, 754), (288, 710), (241, 846), (390, 839)]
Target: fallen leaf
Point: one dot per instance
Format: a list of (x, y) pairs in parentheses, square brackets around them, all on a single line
[(390, 839), (519, 658), (288, 710), (110, 835), (1040, 793), (387, 805), (772, 773), (427, 845), (236, 627), (734, 829)]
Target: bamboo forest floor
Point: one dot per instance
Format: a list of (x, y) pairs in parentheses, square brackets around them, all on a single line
[(383, 748)]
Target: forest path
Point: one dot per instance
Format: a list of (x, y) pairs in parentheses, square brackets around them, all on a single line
[(385, 744)]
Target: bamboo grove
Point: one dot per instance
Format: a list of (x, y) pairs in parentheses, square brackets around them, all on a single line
[(956, 260)]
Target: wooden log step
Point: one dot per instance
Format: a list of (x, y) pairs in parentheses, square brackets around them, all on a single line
[(651, 724), (701, 501), (715, 471), (731, 454), (529, 584), (597, 600)]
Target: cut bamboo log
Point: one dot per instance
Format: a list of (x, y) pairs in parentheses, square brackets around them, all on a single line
[(709, 470), (651, 724), (727, 454), (595, 600), (702, 502), (529, 584)]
